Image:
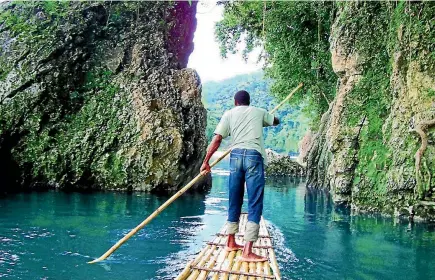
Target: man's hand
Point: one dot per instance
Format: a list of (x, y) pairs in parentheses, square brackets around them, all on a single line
[(275, 121), (214, 145), (205, 167)]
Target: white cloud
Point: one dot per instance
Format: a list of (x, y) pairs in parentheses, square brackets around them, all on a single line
[(206, 58)]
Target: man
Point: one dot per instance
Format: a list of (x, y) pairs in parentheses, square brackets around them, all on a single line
[(247, 159)]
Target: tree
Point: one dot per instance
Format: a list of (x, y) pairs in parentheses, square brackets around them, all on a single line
[(295, 37)]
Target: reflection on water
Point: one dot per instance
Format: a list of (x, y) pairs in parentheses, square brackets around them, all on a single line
[(52, 235)]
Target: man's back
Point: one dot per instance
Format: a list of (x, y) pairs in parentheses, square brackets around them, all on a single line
[(245, 125)]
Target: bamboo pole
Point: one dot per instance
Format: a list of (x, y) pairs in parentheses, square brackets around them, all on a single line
[(266, 266), (237, 263), (223, 255), (260, 266), (195, 272), (272, 257), (231, 258), (220, 262), (245, 268), (257, 267), (178, 194), (287, 98), (252, 268), (186, 272), (264, 252), (236, 266), (211, 263)]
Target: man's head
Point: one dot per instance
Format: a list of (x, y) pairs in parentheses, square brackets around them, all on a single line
[(242, 98)]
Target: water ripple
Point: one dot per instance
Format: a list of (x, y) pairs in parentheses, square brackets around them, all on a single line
[(311, 239), (283, 253)]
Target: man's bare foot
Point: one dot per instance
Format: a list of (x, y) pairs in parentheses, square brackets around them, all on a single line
[(252, 258), (248, 256), (231, 244), (235, 248)]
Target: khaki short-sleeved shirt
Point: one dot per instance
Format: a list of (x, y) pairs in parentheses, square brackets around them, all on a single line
[(245, 125)]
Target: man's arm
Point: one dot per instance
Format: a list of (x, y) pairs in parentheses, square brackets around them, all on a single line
[(214, 145)]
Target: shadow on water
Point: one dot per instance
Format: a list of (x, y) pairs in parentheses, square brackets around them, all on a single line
[(284, 182), (319, 203)]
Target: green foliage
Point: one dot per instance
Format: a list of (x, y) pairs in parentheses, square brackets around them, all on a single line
[(381, 36), (218, 97), (430, 93), (370, 100), (372, 97), (3, 74), (15, 22), (33, 18), (416, 19), (295, 40), (68, 121), (56, 8)]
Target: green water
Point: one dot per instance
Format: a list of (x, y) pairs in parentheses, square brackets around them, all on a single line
[(51, 235)]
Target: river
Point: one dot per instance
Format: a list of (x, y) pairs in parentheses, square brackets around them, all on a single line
[(51, 235)]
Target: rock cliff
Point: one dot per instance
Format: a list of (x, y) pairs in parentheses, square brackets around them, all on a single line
[(96, 95), (375, 148)]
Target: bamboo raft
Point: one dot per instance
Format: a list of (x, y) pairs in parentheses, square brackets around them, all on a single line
[(215, 263)]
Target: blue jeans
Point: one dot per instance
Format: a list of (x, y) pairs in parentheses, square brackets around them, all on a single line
[(246, 165)]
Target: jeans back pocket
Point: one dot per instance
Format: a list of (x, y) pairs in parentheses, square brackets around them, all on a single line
[(255, 165), (234, 163)]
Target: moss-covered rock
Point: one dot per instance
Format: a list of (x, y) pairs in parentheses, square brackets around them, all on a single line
[(94, 95), (365, 151), (282, 165)]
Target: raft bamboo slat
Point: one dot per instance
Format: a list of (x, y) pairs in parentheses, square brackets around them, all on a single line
[(241, 235), (215, 263)]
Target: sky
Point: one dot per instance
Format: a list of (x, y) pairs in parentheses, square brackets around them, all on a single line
[(206, 59)]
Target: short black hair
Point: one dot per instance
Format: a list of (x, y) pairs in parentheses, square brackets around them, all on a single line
[(242, 97)]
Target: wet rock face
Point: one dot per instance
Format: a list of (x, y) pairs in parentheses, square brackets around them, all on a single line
[(94, 95), (365, 151)]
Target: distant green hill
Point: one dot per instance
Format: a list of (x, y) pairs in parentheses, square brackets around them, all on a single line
[(218, 97)]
